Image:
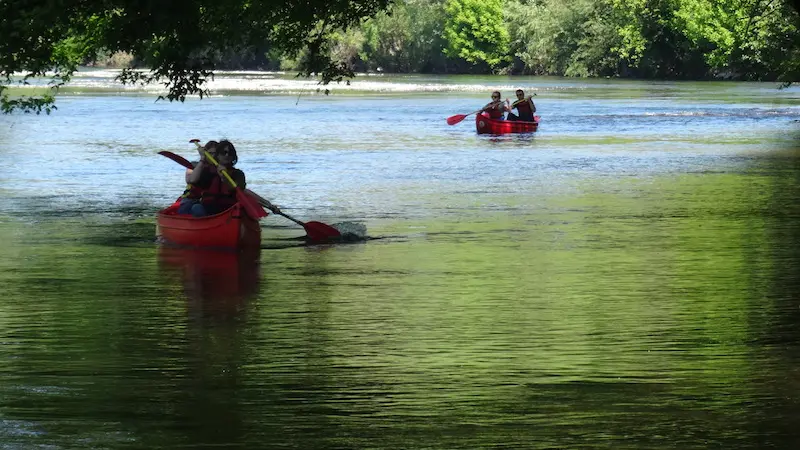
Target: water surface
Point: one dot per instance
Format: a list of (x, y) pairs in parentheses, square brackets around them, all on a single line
[(627, 277)]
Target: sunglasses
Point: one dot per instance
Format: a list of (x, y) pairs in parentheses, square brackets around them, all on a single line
[(225, 152), (495, 96)]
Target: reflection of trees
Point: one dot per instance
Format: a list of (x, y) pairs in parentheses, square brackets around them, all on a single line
[(218, 287), (779, 304), (291, 383), (112, 347), (784, 231)]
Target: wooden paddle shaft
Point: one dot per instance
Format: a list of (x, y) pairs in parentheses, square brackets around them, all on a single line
[(281, 213), (272, 208)]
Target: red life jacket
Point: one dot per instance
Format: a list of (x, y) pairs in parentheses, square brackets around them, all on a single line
[(210, 188), (496, 112), (524, 108), (219, 193)]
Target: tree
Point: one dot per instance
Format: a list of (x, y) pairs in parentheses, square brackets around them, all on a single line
[(475, 31), (407, 38), (571, 38), (749, 38), (743, 39), (179, 41)]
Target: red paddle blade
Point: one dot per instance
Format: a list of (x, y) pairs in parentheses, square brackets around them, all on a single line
[(177, 158), (318, 231), (452, 120), (252, 208)]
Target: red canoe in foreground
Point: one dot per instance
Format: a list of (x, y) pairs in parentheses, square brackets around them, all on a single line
[(229, 229), (486, 125)]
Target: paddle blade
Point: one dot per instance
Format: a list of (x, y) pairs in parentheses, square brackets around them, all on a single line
[(177, 158), (251, 207), (318, 231), (452, 120)]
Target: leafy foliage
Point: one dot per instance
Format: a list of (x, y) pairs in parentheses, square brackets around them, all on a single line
[(745, 39), (180, 41), (553, 37), (475, 31), (744, 36), (407, 38)]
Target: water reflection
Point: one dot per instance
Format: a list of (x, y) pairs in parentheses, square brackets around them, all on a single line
[(216, 284), (218, 287)]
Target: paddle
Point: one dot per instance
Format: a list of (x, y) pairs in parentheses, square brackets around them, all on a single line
[(177, 158), (317, 231), (251, 207), (452, 120)]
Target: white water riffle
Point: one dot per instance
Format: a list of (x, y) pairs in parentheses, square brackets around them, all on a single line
[(224, 82), (478, 87)]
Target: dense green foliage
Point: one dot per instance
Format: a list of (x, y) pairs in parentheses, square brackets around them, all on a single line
[(180, 41), (408, 40), (475, 32), (677, 39), (183, 41)]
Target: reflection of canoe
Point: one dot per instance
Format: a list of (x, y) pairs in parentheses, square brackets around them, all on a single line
[(486, 125), (229, 229), (214, 281)]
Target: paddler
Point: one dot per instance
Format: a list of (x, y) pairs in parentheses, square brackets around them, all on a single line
[(496, 107), (524, 106)]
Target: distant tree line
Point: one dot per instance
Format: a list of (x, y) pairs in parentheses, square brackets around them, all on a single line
[(669, 39), (663, 39)]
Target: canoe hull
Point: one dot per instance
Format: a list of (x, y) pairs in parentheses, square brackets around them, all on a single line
[(486, 125), (230, 229)]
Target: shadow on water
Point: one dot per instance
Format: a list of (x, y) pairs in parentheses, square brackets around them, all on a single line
[(64, 206), (777, 309), (127, 234), (785, 230), (237, 327)]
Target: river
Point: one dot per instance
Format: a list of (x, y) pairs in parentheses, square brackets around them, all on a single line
[(626, 277)]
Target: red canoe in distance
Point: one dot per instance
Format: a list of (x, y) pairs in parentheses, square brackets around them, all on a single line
[(486, 125), (230, 229)]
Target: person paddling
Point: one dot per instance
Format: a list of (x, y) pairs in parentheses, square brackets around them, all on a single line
[(496, 107), (207, 192), (524, 106)]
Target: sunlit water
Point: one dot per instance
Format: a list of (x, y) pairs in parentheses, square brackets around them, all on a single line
[(627, 277)]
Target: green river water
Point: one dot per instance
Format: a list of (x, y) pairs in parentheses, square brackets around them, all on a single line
[(625, 278)]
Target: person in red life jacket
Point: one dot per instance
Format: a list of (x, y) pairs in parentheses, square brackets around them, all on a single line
[(525, 108), (496, 107), (209, 192)]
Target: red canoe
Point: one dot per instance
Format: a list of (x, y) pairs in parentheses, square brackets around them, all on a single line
[(486, 125), (229, 229)]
